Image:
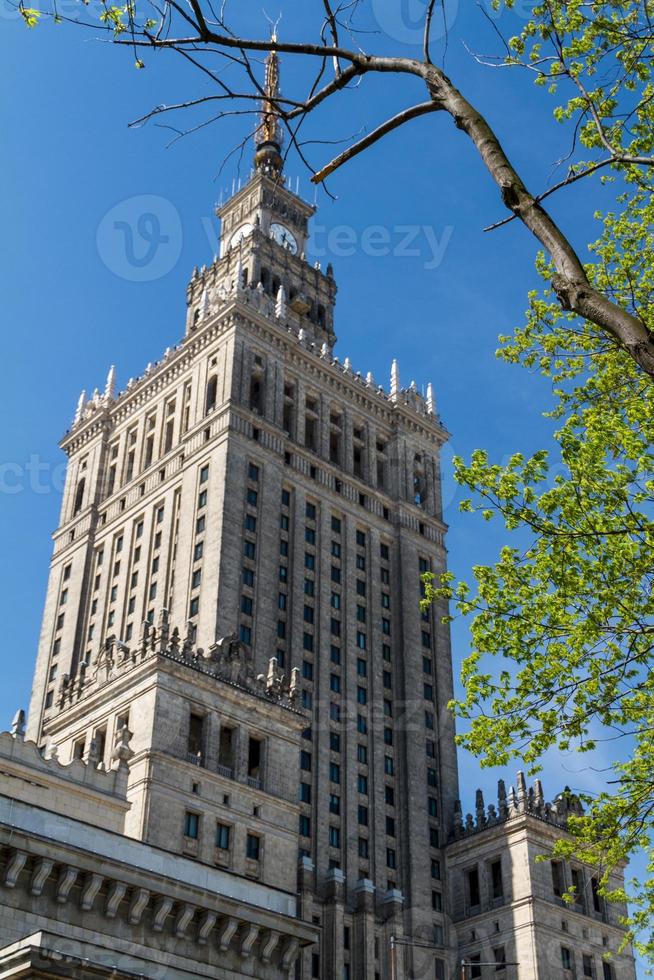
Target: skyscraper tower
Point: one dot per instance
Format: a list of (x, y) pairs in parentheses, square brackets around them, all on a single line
[(254, 496)]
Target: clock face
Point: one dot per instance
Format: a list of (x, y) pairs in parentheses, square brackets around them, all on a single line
[(240, 233), (283, 237)]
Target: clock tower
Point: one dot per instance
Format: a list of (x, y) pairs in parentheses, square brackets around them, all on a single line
[(264, 234)]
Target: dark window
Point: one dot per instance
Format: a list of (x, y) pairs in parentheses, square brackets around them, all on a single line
[(496, 879), (191, 825), (472, 882), (222, 836), (253, 847)]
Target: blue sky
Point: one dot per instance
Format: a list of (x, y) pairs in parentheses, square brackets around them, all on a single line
[(71, 306)]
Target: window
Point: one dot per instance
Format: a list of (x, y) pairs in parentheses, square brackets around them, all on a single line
[(336, 524), (334, 742), (363, 815), (437, 901), (388, 736), (309, 561), (384, 553), (305, 793), (195, 582), (308, 614), (305, 826), (361, 614), (387, 679), (286, 498), (283, 548), (250, 522), (362, 695), (281, 629), (362, 754), (248, 577), (334, 837), (558, 883), (198, 551), (432, 806), (310, 511), (362, 667), (388, 765), (587, 965), (191, 825), (252, 497), (435, 869), (336, 574), (336, 600), (309, 535), (391, 858), (249, 550), (336, 549), (253, 847), (566, 958), (200, 525), (475, 966), (386, 626), (79, 496), (362, 784), (385, 600), (245, 635), (362, 725), (389, 795), (334, 772), (204, 474), (222, 836), (307, 670), (335, 654), (608, 970), (253, 472), (472, 887), (497, 886), (428, 692), (212, 390), (361, 563), (335, 683), (283, 573), (361, 539), (362, 641), (305, 761), (390, 826), (335, 626), (307, 642), (363, 847), (334, 804)]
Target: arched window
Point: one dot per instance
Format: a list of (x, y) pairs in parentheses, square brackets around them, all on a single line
[(79, 496), (212, 391), (265, 280)]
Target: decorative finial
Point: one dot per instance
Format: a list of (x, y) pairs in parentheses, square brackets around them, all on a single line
[(80, 408), (369, 379), (431, 401), (110, 387), (204, 304), (18, 724), (347, 365), (280, 303), (395, 379)]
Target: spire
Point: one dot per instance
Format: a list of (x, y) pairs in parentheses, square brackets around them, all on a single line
[(431, 401), (280, 303), (395, 380), (110, 387), (81, 401), (269, 138)]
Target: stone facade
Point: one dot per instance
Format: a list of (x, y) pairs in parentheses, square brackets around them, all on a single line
[(79, 897), (236, 580), (518, 914)]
